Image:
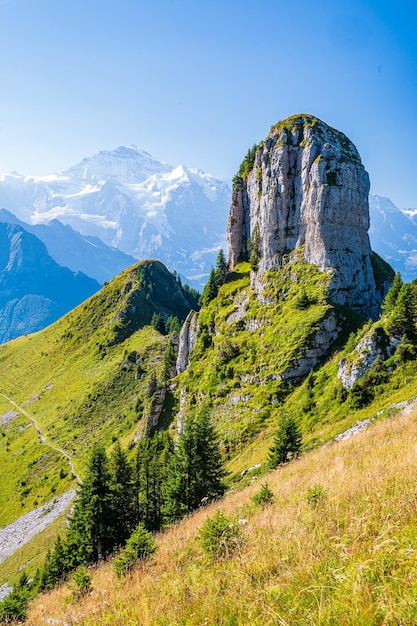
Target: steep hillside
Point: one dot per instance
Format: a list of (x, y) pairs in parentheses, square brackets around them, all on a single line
[(34, 290), (282, 335), (337, 545), (95, 375)]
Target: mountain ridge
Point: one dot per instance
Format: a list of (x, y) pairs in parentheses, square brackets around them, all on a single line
[(272, 342), (34, 290), (129, 200)]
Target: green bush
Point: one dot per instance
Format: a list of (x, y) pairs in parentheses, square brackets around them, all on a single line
[(81, 581), (316, 495), (139, 547), (14, 606), (219, 536), (264, 496), (287, 442)]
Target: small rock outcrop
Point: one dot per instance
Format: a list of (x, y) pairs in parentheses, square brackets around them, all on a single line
[(188, 337), (374, 345), (305, 186)]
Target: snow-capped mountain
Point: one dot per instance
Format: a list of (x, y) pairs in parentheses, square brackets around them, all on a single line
[(129, 200), (393, 234)]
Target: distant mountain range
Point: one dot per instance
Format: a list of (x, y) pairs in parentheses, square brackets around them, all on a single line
[(101, 215), (116, 207), (34, 290), (393, 234), (132, 202), (80, 253)]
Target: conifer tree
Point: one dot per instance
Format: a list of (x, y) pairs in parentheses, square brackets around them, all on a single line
[(152, 459), (211, 288), (90, 533), (158, 323), (54, 567), (393, 293), (287, 442), (403, 319), (122, 496), (196, 471), (221, 268), (216, 279)]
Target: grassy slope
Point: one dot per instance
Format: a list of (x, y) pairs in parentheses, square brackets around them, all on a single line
[(237, 365), (234, 371), (235, 368), (79, 379), (349, 560)]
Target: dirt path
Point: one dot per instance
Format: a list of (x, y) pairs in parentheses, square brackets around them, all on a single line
[(42, 436)]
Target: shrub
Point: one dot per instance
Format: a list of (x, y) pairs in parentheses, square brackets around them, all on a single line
[(303, 301), (219, 536), (82, 582), (14, 606), (315, 495), (264, 496), (139, 547)]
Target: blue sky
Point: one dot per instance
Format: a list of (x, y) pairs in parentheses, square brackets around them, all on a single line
[(198, 83)]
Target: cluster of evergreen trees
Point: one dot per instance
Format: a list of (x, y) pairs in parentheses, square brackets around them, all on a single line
[(165, 481)]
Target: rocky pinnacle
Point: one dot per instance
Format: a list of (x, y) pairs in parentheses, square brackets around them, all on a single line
[(305, 186)]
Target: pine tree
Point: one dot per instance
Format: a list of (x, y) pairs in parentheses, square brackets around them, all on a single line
[(196, 472), (403, 317), (211, 288), (287, 442), (55, 566), (158, 323), (122, 496), (221, 268), (393, 293), (90, 534), (152, 459), (216, 279)]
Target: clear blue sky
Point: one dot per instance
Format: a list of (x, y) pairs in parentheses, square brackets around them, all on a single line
[(199, 82)]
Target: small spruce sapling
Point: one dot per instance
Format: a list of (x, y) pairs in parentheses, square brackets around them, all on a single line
[(140, 546), (287, 442), (219, 536), (264, 496)]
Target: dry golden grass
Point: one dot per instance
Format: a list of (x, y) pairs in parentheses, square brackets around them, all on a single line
[(349, 560)]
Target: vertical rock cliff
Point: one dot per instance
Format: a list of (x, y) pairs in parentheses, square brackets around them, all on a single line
[(187, 339), (305, 186)]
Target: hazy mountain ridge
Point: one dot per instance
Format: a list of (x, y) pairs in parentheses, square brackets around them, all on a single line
[(34, 290), (80, 253), (132, 202), (393, 234)]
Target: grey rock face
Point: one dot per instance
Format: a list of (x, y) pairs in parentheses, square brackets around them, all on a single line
[(326, 334), (307, 187), (371, 347), (188, 337)]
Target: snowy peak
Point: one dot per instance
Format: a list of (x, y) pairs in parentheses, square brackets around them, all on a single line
[(132, 202), (126, 165)]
